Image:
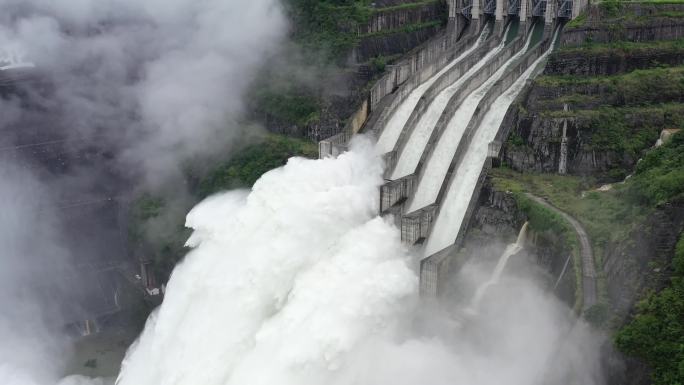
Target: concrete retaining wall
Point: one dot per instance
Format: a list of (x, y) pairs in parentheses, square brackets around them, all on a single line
[(416, 226), (333, 146), (396, 191)]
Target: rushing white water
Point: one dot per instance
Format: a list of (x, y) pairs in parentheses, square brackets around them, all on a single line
[(410, 155), (12, 59), (390, 134), (512, 249), (300, 283), (464, 180), (436, 168), (294, 275)]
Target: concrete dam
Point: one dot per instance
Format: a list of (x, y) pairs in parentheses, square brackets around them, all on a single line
[(440, 116)]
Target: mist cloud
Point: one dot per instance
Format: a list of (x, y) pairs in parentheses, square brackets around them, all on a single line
[(33, 267), (161, 81), (150, 84)]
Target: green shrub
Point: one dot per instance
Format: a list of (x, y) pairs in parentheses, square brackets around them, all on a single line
[(656, 334), (378, 64), (516, 140), (165, 245), (659, 177), (287, 105), (248, 165), (328, 25)]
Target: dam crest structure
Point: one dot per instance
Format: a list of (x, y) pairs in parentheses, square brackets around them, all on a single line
[(441, 114)]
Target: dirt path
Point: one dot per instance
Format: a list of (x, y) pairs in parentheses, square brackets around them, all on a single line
[(588, 268)]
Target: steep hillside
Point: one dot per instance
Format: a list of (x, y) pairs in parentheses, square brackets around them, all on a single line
[(338, 49), (585, 138)]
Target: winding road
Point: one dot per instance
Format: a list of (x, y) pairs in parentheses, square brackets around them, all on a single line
[(588, 269)]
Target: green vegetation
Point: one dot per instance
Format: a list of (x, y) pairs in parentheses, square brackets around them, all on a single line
[(577, 22), (659, 176), (625, 131), (378, 64), (614, 15), (654, 2), (606, 216), (405, 29), (656, 334), (639, 87), (287, 105), (328, 25), (598, 314), (405, 6), (610, 7), (625, 47), (248, 165), (294, 94), (157, 229), (543, 220)]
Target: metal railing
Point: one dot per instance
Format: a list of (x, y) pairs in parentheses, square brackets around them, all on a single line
[(538, 7), (490, 7), (467, 8), (513, 7)]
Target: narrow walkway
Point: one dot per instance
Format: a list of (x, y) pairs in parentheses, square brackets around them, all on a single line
[(588, 268)]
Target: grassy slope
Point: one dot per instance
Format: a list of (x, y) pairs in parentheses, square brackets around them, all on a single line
[(656, 333)]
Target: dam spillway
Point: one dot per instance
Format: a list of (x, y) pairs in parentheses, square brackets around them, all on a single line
[(391, 132), (439, 135), (440, 157)]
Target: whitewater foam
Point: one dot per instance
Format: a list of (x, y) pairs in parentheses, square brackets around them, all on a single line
[(298, 272)]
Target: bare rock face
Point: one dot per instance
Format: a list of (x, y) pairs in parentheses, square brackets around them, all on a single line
[(497, 218), (610, 62), (642, 263), (539, 148), (646, 22)]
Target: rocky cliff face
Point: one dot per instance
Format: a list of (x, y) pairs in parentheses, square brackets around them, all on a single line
[(536, 146), (619, 94), (396, 29), (498, 218), (626, 22), (632, 268), (607, 92), (610, 62), (396, 16)]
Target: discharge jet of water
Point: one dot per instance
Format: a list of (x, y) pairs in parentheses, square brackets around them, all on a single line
[(390, 134), (410, 155), (512, 249), (443, 153), (464, 180)]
